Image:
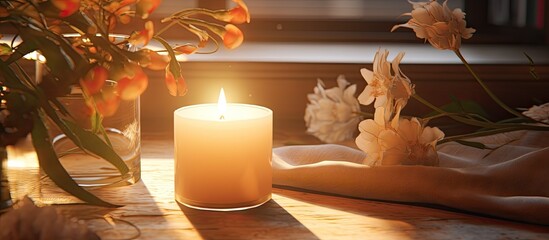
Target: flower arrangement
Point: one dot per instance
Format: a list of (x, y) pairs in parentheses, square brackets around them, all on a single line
[(392, 139), (87, 57)]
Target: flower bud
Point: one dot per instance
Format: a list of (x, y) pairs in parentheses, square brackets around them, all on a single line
[(236, 15), (133, 83), (66, 7), (152, 60), (146, 7), (232, 37), (176, 86), (94, 80), (107, 102), (185, 49), (240, 13), (142, 37)]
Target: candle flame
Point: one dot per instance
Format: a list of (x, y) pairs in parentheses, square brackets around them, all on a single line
[(222, 104)]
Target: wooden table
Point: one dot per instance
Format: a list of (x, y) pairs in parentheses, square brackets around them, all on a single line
[(291, 214)]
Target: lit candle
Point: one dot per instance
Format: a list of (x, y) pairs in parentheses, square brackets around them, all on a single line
[(223, 155)]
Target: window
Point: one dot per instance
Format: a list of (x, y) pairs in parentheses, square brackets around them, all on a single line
[(496, 21), (370, 10)]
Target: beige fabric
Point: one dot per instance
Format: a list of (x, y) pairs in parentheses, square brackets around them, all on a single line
[(511, 182)]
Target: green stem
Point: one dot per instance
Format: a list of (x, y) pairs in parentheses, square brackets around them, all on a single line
[(486, 89), (216, 28), (165, 29), (469, 121), (446, 114), (479, 134), (509, 128), (188, 12), (185, 14), (364, 114)]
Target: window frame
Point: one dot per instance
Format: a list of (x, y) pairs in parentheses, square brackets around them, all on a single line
[(322, 30)]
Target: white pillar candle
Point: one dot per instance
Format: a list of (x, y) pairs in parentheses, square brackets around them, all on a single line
[(223, 160)]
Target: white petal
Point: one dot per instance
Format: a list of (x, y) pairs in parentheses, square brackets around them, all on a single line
[(409, 130), (379, 117), (422, 16), (366, 97), (431, 135), (367, 75), (370, 128), (389, 139), (342, 82)]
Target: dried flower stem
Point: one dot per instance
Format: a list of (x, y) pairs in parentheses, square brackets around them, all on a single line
[(490, 127), (469, 121), (486, 89), (482, 133)]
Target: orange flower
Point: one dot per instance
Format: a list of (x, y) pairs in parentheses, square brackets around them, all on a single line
[(94, 80), (236, 15), (66, 7), (146, 7), (240, 13), (232, 37), (144, 36), (133, 83), (107, 102), (176, 87), (185, 49), (152, 60), (118, 13)]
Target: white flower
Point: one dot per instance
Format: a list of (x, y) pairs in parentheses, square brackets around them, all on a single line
[(368, 139), (332, 114), (538, 113), (387, 85), (439, 25), (408, 144), (27, 221)]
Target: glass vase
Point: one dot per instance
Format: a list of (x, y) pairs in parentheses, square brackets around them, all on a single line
[(123, 133)]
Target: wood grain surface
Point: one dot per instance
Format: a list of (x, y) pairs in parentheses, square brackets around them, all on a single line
[(291, 214)]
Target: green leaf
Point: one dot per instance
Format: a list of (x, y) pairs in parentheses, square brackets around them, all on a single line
[(174, 66), (91, 142), (20, 51), (462, 106), (532, 67), (10, 78), (86, 140), (5, 49), (49, 162), (472, 144), (62, 59)]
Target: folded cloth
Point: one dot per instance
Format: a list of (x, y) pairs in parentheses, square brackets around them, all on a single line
[(510, 182)]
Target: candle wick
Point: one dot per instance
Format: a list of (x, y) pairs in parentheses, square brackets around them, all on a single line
[(222, 117)]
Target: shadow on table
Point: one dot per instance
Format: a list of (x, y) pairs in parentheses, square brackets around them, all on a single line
[(268, 221), (417, 215), (126, 222)]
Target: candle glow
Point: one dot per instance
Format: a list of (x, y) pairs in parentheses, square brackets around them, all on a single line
[(222, 104), (223, 155)]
